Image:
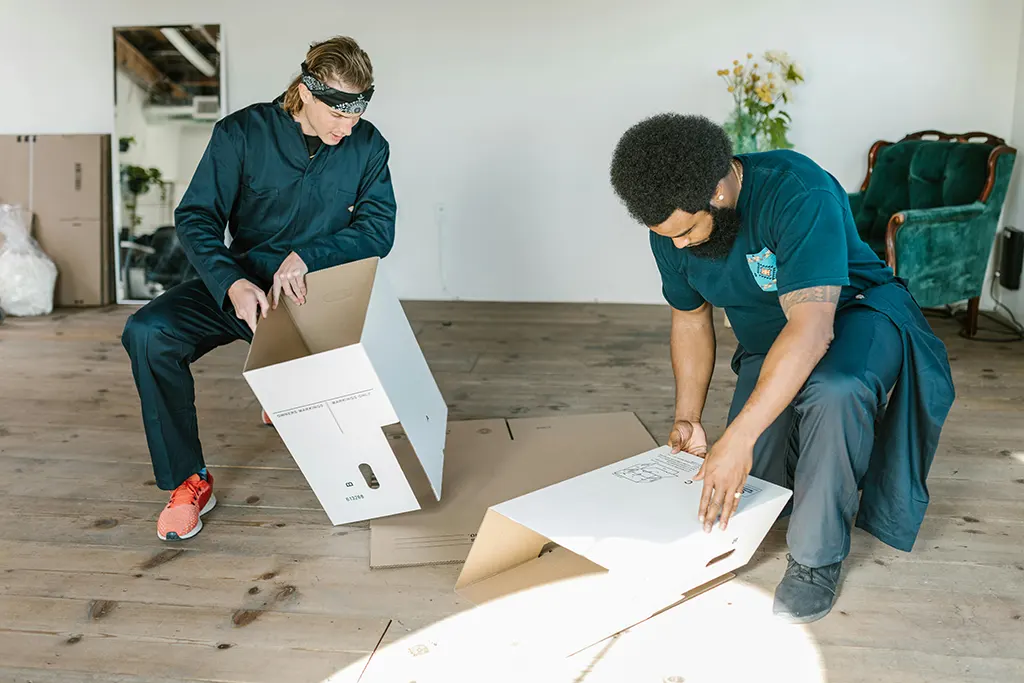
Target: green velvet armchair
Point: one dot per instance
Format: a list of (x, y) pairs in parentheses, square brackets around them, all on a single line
[(930, 206)]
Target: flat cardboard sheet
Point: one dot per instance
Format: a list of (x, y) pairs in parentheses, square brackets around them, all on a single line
[(64, 180), (490, 461), (489, 643)]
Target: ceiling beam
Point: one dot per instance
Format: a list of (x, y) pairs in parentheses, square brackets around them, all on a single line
[(143, 71), (189, 51), (210, 40), (200, 82)]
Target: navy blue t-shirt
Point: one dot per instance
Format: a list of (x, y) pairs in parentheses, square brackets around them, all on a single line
[(796, 231)]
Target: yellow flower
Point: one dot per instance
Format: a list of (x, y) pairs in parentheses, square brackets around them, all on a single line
[(738, 70), (750, 55), (732, 88), (735, 61), (755, 65)]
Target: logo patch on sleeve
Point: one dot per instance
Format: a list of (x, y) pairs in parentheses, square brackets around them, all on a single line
[(762, 265)]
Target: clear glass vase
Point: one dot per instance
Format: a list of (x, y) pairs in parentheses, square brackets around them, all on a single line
[(741, 129)]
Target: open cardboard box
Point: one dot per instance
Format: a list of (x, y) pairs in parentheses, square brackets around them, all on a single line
[(335, 370), (557, 570)]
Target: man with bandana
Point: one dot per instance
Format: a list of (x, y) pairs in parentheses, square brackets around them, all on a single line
[(841, 385), (300, 184)]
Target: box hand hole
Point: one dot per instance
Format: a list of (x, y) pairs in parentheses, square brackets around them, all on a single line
[(721, 557), (369, 476)]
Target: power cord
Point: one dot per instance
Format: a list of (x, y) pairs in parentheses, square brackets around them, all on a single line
[(1016, 335), (1015, 326)]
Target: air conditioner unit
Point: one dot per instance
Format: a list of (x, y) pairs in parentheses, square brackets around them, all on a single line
[(206, 107)]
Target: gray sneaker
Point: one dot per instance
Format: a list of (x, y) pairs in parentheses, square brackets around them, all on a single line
[(806, 594)]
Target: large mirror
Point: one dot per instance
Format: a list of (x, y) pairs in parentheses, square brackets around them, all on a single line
[(168, 94)]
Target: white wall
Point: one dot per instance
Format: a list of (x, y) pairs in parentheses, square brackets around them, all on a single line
[(1013, 213), (502, 116)]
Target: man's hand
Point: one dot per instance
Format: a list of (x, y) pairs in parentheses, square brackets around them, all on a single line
[(290, 279), (724, 472), (688, 436), (249, 302)]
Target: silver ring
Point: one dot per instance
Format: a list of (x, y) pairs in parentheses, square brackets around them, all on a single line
[(737, 495)]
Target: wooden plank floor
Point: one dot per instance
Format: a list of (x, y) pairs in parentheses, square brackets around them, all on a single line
[(271, 592)]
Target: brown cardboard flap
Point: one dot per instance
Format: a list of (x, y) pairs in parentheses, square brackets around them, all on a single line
[(501, 544), (556, 565), (277, 340), (335, 308), (490, 461)]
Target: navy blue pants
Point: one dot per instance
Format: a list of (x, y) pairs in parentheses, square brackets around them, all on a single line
[(821, 444), (163, 338)]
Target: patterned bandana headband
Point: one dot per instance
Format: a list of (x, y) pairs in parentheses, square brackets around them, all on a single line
[(346, 103)]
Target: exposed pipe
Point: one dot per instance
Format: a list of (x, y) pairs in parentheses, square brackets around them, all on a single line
[(189, 51)]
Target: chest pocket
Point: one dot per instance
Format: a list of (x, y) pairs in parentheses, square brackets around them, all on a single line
[(762, 266), (259, 209), (342, 206), (330, 205)]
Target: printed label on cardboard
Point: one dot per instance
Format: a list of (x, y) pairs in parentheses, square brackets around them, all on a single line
[(667, 465)]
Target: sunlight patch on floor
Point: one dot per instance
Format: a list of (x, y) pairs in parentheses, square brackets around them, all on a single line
[(727, 634)]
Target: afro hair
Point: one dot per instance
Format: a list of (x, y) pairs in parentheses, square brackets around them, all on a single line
[(669, 162)]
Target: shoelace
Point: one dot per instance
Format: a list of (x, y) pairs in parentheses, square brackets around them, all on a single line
[(186, 493), (811, 575)]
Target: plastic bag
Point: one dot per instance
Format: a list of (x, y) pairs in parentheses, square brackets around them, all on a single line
[(28, 276)]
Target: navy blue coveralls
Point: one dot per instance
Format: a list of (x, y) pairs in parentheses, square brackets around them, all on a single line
[(258, 179)]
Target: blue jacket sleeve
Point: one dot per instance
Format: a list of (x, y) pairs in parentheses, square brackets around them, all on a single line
[(372, 230), (202, 215)]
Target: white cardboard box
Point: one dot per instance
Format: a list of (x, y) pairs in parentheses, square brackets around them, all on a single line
[(562, 568), (331, 373)]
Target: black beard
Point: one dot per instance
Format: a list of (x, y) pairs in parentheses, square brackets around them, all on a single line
[(725, 227)]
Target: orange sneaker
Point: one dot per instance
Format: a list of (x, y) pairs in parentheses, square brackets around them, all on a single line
[(182, 518), (266, 419)]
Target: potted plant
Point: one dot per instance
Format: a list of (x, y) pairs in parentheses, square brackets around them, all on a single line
[(758, 122), (137, 180)]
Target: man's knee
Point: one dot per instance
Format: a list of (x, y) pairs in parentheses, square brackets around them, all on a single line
[(144, 332), (835, 392)]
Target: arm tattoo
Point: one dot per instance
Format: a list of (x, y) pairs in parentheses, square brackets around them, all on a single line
[(824, 294)]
